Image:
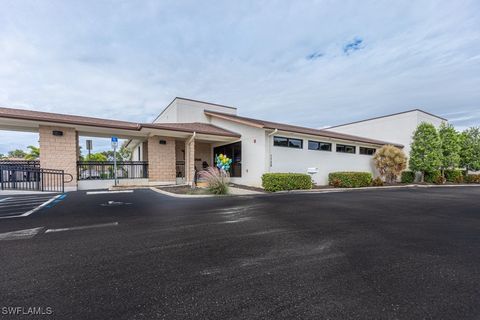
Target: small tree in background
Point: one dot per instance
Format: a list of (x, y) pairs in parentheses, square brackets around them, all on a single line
[(98, 156), (470, 149), (426, 149), (390, 162), (34, 153), (17, 153), (450, 140)]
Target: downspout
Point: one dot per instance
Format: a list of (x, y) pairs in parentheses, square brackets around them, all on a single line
[(270, 149), (187, 162)]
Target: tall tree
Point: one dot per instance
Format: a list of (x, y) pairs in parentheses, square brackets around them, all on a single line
[(34, 153), (470, 149), (17, 153), (98, 156), (426, 149), (123, 154), (450, 139), (390, 162)]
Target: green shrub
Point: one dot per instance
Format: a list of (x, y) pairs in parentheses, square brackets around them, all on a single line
[(455, 176), (377, 182), (408, 177), (439, 180), (350, 179), (472, 178), (286, 181), (433, 176)]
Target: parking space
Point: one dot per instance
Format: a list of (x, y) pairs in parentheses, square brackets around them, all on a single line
[(14, 206)]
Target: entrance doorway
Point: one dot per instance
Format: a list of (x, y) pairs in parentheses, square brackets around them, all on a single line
[(234, 152)]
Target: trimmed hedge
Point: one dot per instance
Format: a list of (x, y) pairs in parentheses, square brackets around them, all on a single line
[(472, 178), (455, 176), (433, 176), (350, 179), (286, 181), (408, 177)]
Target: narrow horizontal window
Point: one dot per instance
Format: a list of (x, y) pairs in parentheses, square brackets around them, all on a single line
[(288, 142), (345, 148), (367, 151), (317, 145)]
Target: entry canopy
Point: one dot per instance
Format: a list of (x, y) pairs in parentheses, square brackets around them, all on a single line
[(29, 121)]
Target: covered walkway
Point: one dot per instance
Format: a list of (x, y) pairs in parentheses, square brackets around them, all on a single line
[(167, 153)]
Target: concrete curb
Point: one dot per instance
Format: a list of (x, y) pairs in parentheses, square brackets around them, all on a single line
[(377, 188), (176, 195)]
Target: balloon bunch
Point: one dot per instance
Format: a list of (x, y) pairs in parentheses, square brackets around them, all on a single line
[(223, 162)]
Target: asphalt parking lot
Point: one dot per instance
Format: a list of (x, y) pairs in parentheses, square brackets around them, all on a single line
[(386, 254)]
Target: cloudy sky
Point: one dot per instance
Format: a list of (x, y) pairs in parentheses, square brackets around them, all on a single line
[(311, 63)]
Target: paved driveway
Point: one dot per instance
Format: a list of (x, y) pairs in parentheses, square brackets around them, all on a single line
[(389, 254)]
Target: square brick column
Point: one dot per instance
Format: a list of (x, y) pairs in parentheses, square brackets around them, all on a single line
[(161, 159), (190, 160), (60, 152)]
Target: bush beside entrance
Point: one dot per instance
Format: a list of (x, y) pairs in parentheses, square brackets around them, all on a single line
[(286, 181), (350, 179)]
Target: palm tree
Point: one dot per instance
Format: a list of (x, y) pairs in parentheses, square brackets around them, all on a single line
[(34, 153)]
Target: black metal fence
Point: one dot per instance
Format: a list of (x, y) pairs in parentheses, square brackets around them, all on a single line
[(104, 170), (31, 178), (21, 163)]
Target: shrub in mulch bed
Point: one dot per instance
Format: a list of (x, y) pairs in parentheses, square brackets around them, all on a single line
[(351, 179), (407, 177), (286, 181), (472, 178)]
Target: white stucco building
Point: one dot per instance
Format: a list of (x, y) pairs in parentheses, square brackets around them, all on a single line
[(398, 127), (265, 146), (188, 134)]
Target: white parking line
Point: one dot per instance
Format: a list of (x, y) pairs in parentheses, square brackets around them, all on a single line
[(33, 210), (108, 192), (26, 204), (20, 234), (4, 199), (101, 225)]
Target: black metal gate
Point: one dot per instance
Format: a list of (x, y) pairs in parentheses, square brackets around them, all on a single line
[(23, 176)]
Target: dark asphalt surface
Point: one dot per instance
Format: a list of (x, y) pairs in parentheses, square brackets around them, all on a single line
[(383, 254)]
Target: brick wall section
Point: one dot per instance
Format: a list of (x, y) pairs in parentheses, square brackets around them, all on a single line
[(59, 152), (161, 159), (189, 160)]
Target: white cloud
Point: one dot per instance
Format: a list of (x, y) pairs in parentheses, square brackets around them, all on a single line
[(128, 59)]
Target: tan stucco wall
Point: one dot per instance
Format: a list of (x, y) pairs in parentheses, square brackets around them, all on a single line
[(59, 152), (161, 159)]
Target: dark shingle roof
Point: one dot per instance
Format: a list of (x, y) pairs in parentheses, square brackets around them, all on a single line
[(297, 129), (66, 119), (197, 127), (22, 114)]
